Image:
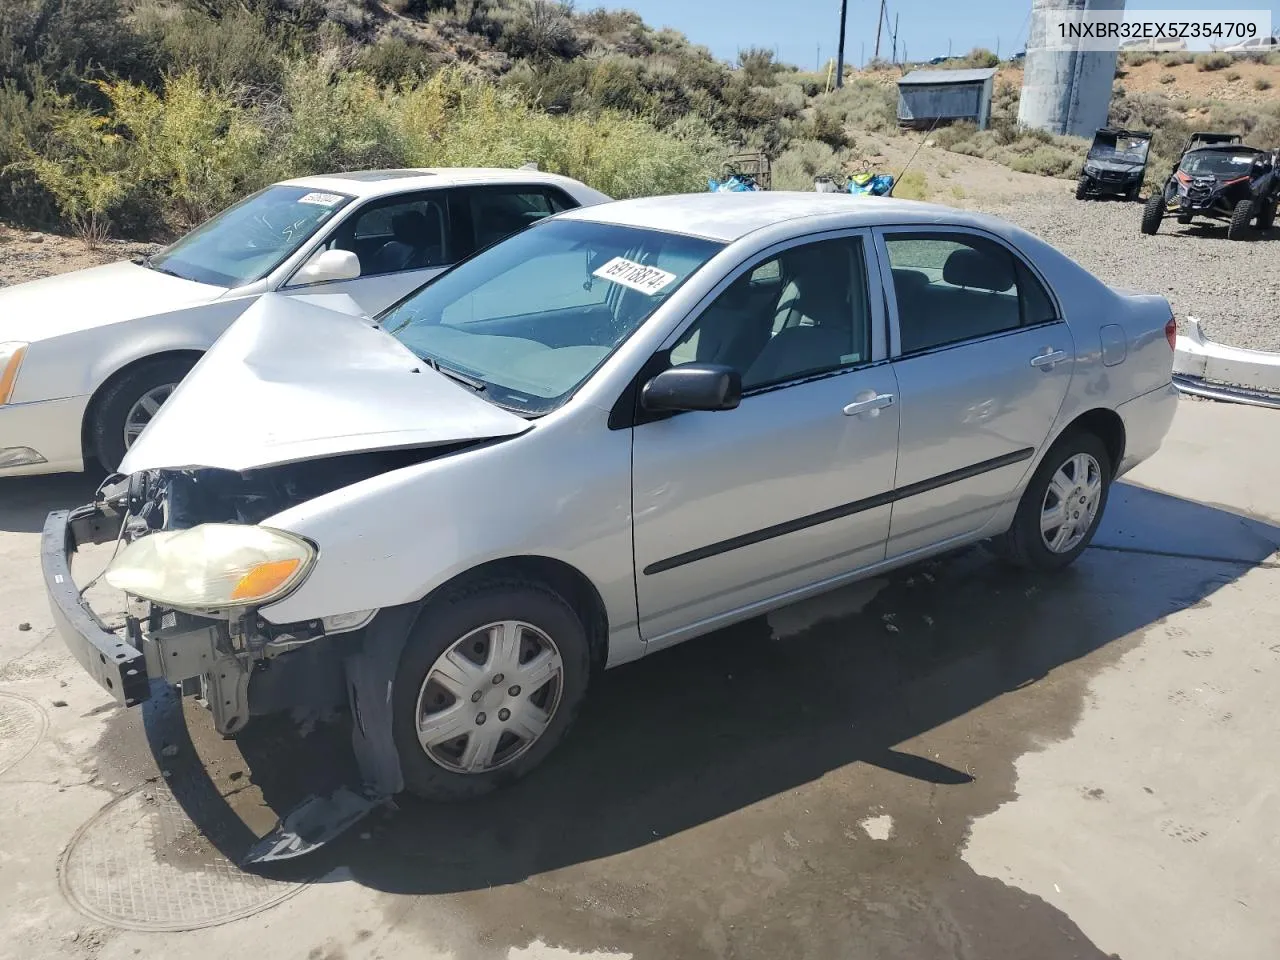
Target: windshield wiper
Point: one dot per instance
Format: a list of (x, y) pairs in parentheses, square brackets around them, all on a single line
[(146, 262), (477, 385)]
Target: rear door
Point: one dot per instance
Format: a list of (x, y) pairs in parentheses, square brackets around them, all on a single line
[(487, 213), (983, 359)]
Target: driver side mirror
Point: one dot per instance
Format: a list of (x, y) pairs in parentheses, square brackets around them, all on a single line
[(693, 386), (326, 266)]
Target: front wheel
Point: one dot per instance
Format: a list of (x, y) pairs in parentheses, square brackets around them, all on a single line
[(1152, 214), (1062, 505), (487, 686), (1082, 189), (1238, 229), (130, 403)]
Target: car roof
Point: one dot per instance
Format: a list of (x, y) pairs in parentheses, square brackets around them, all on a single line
[(1226, 148), (376, 183), (730, 216)]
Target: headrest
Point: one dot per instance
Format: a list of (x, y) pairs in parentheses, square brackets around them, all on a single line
[(409, 226), (973, 268), (904, 279)]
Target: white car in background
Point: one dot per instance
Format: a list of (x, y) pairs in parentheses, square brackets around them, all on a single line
[(86, 358)]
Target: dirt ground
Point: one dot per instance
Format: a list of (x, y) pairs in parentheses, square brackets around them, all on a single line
[(955, 761)]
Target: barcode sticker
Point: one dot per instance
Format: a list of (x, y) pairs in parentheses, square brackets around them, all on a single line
[(637, 276), (321, 199)]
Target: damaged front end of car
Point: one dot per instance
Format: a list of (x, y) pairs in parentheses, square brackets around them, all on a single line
[(196, 565)]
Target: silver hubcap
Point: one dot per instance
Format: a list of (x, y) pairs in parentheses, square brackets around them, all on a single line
[(1071, 503), (489, 697), (142, 412)]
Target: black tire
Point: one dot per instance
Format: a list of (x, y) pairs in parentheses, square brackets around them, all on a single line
[(1267, 216), (1238, 229), (1135, 194), (1082, 189), (442, 624), (1152, 214), (1023, 545), (112, 406)]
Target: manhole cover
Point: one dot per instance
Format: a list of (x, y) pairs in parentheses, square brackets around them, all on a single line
[(142, 864), (22, 725)]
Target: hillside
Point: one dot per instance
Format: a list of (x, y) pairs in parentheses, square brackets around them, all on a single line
[(141, 117)]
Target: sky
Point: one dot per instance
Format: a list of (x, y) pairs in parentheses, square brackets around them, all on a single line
[(804, 32)]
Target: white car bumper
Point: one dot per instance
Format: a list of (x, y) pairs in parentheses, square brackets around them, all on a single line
[(48, 429)]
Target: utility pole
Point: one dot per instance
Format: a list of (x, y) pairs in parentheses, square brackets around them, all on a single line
[(895, 38), (844, 12), (879, 24)]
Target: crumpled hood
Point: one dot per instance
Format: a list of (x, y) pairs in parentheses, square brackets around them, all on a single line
[(293, 381), (70, 302)]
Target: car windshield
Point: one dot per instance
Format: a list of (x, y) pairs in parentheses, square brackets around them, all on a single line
[(1218, 163), (247, 241), (528, 320), (1121, 150)]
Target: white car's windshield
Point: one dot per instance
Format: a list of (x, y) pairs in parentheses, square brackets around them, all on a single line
[(247, 241), (529, 319)]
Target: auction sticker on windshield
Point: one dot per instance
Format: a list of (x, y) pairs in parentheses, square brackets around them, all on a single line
[(321, 199), (637, 276)]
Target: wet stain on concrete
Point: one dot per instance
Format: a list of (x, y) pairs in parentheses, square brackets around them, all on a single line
[(708, 803)]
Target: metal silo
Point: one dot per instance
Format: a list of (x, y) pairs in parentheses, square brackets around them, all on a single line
[(1065, 91)]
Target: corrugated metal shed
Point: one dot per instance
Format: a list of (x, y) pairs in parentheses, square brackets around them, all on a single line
[(926, 97)]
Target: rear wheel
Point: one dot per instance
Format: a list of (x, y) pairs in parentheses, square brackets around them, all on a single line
[(130, 403), (1152, 214), (488, 685), (1267, 216), (1082, 189), (1062, 505), (1238, 229)]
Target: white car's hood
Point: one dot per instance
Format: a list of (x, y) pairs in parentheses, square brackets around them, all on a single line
[(95, 297), (293, 381)]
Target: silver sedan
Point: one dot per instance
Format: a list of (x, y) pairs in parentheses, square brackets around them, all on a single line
[(621, 428)]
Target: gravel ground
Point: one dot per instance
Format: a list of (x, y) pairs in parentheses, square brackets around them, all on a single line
[(1233, 288)]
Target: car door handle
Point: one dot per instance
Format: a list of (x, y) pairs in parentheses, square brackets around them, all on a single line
[(869, 402), (1048, 358)]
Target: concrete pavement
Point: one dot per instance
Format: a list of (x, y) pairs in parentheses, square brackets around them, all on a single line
[(956, 761)]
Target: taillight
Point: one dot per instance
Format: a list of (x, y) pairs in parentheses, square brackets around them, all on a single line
[(1171, 333)]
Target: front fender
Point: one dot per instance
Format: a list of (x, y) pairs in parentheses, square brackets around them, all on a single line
[(562, 490), (76, 364)]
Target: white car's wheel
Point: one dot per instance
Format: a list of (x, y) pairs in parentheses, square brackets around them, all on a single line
[(488, 684), (128, 404)]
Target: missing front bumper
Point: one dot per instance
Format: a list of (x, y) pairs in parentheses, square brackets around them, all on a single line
[(1205, 368), (116, 664)]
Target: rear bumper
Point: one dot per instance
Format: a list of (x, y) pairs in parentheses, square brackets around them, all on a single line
[(1147, 419), (118, 665), (51, 428), (1204, 368)]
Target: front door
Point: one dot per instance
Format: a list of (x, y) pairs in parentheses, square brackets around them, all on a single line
[(734, 508), (983, 360)]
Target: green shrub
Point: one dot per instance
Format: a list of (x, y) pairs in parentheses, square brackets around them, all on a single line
[(978, 57), (802, 162), (1137, 58), (1208, 62), (756, 64), (912, 185), (540, 30), (1177, 58), (236, 49), (395, 59), (1167, 78), (827, 128), (1261, 83), (1231, 76), (862, 104)]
